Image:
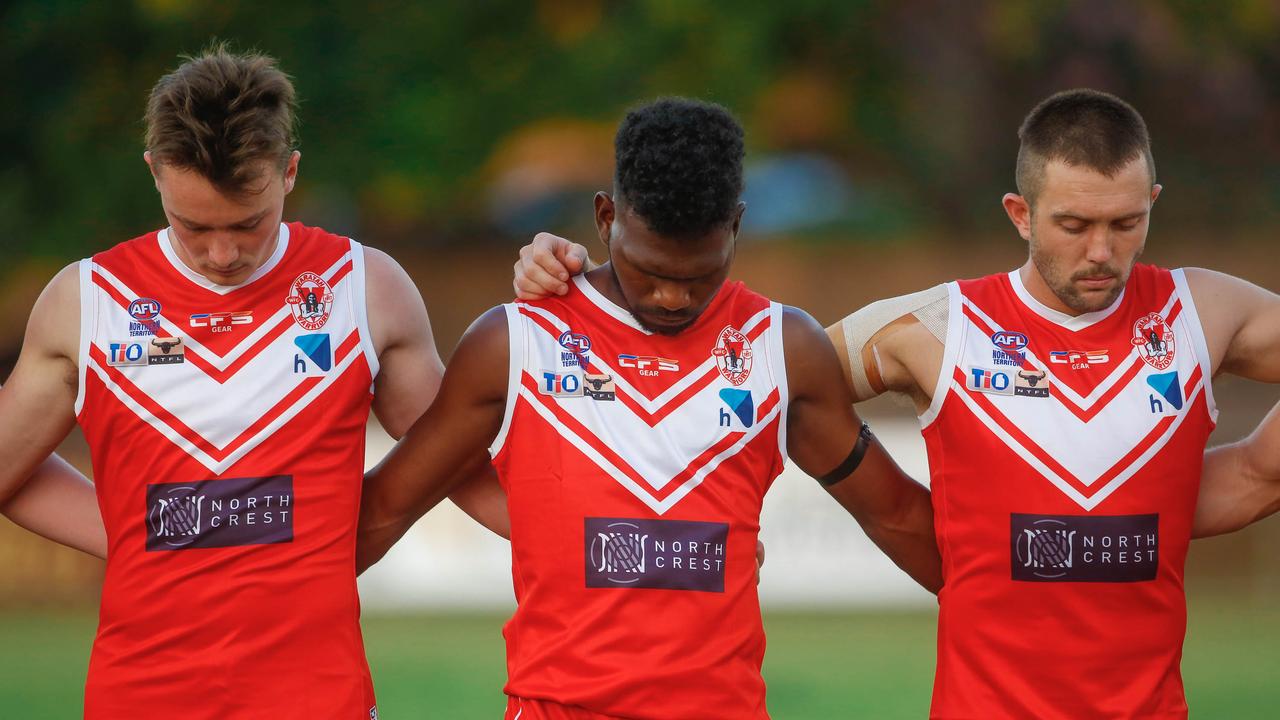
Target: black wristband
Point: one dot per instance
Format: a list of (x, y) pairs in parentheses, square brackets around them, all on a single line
[(851, 463)]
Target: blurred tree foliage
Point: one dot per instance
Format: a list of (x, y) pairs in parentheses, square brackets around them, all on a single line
[(403, 103)]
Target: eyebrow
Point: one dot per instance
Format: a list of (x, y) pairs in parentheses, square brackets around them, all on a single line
[(253, 220), (1069, 216)]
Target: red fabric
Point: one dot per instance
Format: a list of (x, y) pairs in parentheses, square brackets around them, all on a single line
[(253, 630), (597, 652), (1010, 648)]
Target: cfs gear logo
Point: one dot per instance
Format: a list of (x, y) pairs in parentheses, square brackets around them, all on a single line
[(648, 365), (144, 312), (311, 299), (1079, 359), (1154, 339), (223, 321), (576, 346), (1010, 348), (166, 351), (599, 387), (558, 384), (739, 401), (733, 355)]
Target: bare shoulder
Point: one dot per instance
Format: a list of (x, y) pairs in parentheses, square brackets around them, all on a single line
[(54, 327), (396, 311), (1226, 304)]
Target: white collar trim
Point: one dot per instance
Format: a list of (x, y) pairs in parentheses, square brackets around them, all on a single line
[(1074, 323), (599, 300)]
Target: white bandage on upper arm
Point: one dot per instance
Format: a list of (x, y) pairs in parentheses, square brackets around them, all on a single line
[(930, 307)]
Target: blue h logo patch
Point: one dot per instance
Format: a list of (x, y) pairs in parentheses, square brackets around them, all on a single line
[(1167, 385), (739, 401), (317, 349)]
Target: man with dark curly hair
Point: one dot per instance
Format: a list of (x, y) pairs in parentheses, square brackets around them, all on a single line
[(636, 424)]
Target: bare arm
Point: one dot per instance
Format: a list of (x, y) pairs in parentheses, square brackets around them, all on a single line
[(446, 446), (546, 264), (47, 496), (410, 373), (60, 504), (894, 510), (1240, 483)]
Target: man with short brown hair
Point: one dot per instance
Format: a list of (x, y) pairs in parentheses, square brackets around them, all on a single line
[(222, 370)]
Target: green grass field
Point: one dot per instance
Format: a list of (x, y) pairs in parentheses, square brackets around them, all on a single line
[(819, 666)]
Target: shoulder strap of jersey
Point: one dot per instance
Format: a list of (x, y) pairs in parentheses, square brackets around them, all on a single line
[(1199, 344), (516, 350), (951, 350)]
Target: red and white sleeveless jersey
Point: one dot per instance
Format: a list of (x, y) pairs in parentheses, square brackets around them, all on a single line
[(1065, 458), (635, 466), (227, 429)]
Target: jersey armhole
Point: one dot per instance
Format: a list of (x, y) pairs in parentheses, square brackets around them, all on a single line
[(1198, 342), (360, 307), (515, 366), (88, 317), (778, 366), (950, 352)]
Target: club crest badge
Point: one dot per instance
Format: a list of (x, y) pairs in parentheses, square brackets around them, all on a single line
[(1154, 339), (311, 300), (733, 355)]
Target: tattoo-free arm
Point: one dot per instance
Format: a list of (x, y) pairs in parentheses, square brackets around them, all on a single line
[(60, 504), (446, 446), (894, 510), (1240, 483)]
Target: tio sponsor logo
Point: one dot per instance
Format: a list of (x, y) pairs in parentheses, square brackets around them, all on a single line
[(1084, 548), (1023, 383), (156, 351), (558, 384), (222, 322), (219, 513), (648, 365), (661, 554)]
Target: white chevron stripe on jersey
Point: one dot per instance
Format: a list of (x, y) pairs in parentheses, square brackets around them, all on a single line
[(651, 405), (1087, 502), (231, 408), (221, 362), (645, 470), (1084, 401)]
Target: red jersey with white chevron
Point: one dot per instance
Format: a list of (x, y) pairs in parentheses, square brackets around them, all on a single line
[(1065, 457), (635, 465), (227, 429)]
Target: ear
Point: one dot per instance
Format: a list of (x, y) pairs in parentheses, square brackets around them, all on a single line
[(291, 171), (1155, 192), (1019, 212), (153, 166), (737, 218), (606, 211)]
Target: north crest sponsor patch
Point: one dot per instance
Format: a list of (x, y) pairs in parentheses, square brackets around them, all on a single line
[(662, 554), (219, 513), (1084, 548)]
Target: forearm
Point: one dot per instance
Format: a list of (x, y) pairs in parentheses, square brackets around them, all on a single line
[(483, 498), (60, 504), (906, 535), (1240, 483)]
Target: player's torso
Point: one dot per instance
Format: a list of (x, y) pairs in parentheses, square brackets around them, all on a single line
[(227, 429), (1065, 460), (635, 466)]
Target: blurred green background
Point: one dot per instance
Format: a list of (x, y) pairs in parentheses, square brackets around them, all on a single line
[(881, 135)]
